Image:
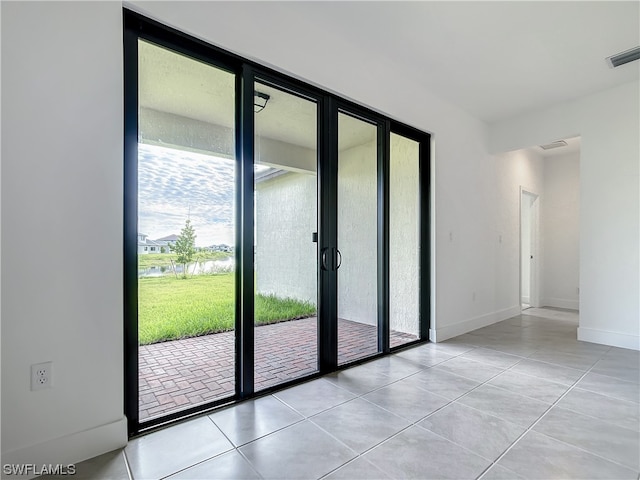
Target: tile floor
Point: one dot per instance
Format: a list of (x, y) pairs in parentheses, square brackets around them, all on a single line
[(518, 399)]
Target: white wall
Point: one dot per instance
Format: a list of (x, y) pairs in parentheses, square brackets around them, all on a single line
[(513, 171), (62, 230), (560, 222), (609, 124), (556, 182)]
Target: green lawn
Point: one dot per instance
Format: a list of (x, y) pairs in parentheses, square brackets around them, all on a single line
[(171, 308)]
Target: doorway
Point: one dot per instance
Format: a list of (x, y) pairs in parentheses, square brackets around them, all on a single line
[(529, 249)]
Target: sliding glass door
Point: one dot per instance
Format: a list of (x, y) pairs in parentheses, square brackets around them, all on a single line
[(273, 232), (286, 222), (357, 223), (186, 177), (404, 240)]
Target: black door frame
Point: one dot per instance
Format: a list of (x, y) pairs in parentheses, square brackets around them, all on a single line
[(424, 190), (382, 253), (247, 72)]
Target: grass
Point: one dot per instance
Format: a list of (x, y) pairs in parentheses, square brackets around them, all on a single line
[(171, 308)]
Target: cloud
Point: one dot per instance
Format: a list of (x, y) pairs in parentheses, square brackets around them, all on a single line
[(174, 185)]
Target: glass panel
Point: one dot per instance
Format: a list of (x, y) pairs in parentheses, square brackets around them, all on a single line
[(286, 338), (357, 239), (404, 237), (186, 233)]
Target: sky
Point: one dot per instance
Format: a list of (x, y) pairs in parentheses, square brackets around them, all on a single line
[(174, 185)]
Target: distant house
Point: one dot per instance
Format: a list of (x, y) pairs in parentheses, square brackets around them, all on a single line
[(146, 246), (220, 248), (167, 241)]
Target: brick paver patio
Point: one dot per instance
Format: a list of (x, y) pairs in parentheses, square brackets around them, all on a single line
[(182, 373)]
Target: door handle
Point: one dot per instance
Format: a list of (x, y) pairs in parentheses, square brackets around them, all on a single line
[(338, 259), (323, 259)]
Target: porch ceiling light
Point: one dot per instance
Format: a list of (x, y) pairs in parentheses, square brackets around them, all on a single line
[(260, 101), (624, 57)]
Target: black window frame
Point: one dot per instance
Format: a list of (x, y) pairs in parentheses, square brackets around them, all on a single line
[(247, 72)]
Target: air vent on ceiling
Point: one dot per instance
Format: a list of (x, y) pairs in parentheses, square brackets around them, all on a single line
[(624, 57), (557, 144)]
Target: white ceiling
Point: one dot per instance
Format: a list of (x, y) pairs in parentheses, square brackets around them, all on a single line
[(573, 146), (172, 83), (493, 59)]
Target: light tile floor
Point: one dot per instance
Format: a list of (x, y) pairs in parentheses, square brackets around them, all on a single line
[(519, 399)]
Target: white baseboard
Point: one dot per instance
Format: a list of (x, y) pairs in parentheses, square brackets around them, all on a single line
[(70, 449), (526, 300), (614, 339), (460, 328), (561, 303)]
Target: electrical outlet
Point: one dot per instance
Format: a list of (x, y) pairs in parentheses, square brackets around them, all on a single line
[(41, 376)]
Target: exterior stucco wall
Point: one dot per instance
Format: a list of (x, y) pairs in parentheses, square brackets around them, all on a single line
[(357, 234), (286, 216), (404, 236), (285, 258)]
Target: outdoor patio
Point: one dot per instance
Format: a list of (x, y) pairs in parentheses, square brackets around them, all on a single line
[(178, 374)]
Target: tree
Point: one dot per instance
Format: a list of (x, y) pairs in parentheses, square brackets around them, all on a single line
[(185, 246)]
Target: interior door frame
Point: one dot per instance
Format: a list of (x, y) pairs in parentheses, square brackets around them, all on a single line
[(534, 267), (247, 72)]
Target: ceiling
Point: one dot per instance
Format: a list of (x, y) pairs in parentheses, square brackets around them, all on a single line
[(493, 59), (172, 83), (572, 146)]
